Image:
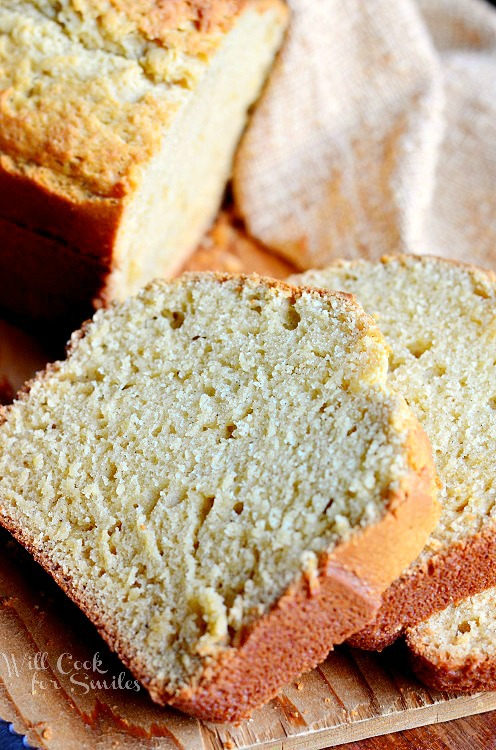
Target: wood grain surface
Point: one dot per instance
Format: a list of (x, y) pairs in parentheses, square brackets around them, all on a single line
[(61, 686), (471, 733)]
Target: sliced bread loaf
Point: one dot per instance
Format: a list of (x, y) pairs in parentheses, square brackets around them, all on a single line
[(440, 321), (118, 125), (220, 476), (456, 649)]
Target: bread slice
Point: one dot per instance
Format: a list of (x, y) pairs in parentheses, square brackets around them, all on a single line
[(439, 318), (118, 125), (456, 649), (221, 478)]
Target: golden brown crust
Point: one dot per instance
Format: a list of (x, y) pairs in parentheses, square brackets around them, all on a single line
[(45, 280), (472, 675), (413, 512), (315, 613), (404, 258), (155, 18), (456, 572), (70, 134), (69, 170), (477, 270), (292, 291), (295, 636), (32, 198), (72, 127)]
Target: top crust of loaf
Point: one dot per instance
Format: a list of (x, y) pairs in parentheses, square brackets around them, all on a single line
[(447, 380), (325, 596), (89, 89)]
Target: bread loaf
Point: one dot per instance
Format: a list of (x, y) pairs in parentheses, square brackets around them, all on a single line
[(118, 124), (221, 478), (439, 318)]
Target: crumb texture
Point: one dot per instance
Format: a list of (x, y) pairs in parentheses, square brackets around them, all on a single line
[(199, 448), (461, 633), (440, 321)]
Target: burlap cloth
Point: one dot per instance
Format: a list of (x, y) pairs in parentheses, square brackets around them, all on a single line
[(376, 133)]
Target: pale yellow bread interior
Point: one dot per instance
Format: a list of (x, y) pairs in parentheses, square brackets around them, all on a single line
[(199, 449), (466, 631), (439, 319)]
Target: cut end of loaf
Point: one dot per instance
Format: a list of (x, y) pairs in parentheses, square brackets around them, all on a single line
[(142, 120), (203, 449), (181, 189)]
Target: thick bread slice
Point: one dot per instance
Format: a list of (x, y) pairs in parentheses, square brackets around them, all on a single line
[(456, 649), (439, 318), (221, 478), (118, 125)]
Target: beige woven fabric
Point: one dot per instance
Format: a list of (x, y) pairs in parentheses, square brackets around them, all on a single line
[(376, 134)]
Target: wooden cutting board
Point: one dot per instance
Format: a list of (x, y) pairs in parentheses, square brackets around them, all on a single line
[(60, 685)]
